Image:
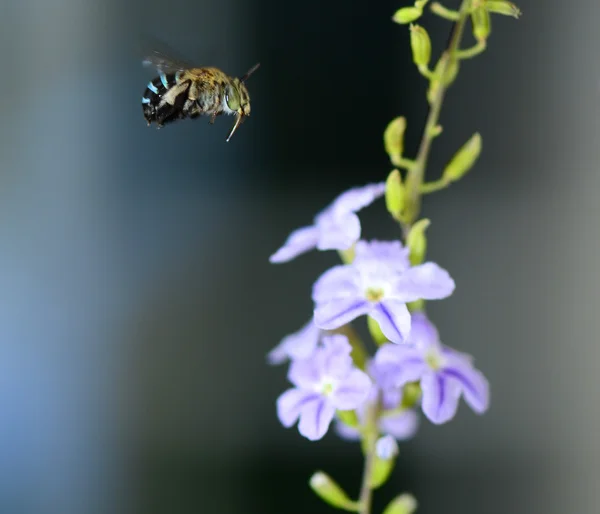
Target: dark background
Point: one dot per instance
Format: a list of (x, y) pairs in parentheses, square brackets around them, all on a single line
[(137, 302)]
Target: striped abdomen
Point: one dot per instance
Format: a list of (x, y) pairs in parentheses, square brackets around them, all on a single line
[(165, 98)]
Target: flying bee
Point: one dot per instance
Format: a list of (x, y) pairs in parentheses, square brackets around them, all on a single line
[(182, 91)]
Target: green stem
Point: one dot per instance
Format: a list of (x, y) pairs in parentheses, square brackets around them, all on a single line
[(370, 435), (476, 49), (432, 187), (415, 175)]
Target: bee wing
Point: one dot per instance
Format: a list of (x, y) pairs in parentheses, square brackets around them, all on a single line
[(158, 55)]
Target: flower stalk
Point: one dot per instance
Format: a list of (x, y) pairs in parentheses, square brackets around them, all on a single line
[(416, 173)]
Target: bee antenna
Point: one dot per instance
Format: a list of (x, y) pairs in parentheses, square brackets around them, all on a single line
[(250, 72)]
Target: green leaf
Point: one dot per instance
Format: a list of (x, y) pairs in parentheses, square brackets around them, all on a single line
[(330, 492)]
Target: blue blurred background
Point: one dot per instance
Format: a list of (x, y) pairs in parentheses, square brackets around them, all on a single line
[(137, 299)]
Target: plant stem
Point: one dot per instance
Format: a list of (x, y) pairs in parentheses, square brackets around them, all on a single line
[(415, 175), (366, 492)]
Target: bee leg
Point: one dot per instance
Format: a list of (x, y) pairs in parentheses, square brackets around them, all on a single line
[(213, 117)]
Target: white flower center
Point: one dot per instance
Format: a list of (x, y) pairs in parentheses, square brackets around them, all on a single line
[(327, 386), (434, 359)]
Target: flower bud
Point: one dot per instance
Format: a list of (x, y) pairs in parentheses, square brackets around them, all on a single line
[(395, 194), (464, 159), (480, 18), (502, 7), (411, 393), (417, 242), (330, 492), (407, 15), (386, 450), (403, 504), (393, 139), (348, 417), (421, 46)]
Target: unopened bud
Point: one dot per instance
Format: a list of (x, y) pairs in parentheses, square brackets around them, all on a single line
[(395, 194), (421, 46), (501, 7), (417, 242), (403, 504), (464, 159), (407, 15), (348, 417), (330, 492), (393, 139), (386, 450), (376, 333), (482, 26)]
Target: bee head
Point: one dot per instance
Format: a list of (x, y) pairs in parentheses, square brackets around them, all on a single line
[(238, 98)]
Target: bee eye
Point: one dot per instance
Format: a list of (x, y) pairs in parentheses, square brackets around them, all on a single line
[(232, 98)]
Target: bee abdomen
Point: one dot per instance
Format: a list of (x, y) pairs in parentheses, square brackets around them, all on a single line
[(154, 93)]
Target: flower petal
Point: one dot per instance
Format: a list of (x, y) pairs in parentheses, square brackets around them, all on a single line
[(440, 397), (390, 253), (393, 318), (475, 387), (358, 197), (336, 361), (315, 419), (299, 345), (336, 313), (352, 392), (299, 241), (401, 426), (423, 333), (337, 282), (397, 365), (346, 432), (427, 281), (338, 232), (306, 373), (290, 404)]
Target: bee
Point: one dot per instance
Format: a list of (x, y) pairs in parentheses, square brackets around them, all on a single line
[(183, 91)]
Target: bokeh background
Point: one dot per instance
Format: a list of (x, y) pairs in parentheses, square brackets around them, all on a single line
[(137, 302)]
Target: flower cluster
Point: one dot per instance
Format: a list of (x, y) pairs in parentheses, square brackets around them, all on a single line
[(378, 283)]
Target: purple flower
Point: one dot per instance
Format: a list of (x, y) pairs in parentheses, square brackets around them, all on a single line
[(444, 373), (324, 383), (296, 346), (337, 227), (399, 425), (394, 421), (379, 283)]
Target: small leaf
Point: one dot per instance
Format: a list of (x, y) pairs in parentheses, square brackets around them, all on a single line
[(464, 159), (403, 504), (501, 7), (330, 492), (407, 15), (417, 242), (395, 194)]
